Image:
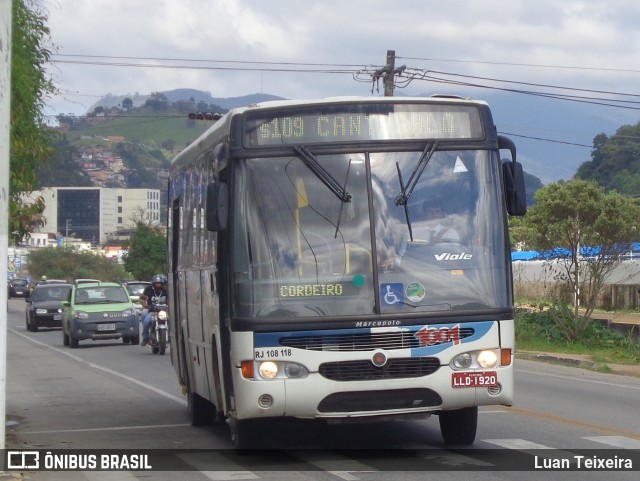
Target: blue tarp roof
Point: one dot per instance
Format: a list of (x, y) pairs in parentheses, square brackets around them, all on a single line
[(559, 252)]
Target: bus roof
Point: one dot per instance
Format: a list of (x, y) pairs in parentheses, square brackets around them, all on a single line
[(270, 104)]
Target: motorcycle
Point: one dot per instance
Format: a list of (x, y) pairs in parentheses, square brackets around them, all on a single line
[(159, 330)]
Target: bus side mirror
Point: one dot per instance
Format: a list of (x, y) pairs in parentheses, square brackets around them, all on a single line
[(513, 177), (217, 206), (514, 188)]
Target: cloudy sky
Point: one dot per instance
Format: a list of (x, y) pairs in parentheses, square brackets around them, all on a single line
[(589, 49)]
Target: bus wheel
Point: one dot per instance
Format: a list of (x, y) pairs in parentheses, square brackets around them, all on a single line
[(245, 434), (459, 427), (201, 411)]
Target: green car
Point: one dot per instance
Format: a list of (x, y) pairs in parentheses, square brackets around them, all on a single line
[(96, 311)]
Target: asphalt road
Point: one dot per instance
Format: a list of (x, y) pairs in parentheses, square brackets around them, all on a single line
[(108, 395)]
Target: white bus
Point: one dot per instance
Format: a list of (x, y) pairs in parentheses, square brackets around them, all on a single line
[(305, 282)]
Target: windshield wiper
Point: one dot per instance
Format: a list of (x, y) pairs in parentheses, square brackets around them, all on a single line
[(406, 190), (344, 190), (321, 173)]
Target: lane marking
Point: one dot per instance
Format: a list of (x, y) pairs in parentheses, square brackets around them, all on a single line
[(454, 459), (337, 465), (554, 418), (114, 428), (93, 365), (617, 441), (204, 462), (515, 443), (581, 380), (109, 475), (525, 446)]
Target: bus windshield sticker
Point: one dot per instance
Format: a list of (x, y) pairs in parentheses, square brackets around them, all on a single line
[(392, 293), (415, 292)]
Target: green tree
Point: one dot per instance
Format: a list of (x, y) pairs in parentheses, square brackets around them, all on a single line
[(147, 252), (569, 218), (615, 161), (69, 263), (31, 140)]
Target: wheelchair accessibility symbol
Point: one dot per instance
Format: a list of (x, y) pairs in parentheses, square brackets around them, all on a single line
[(392, 293)]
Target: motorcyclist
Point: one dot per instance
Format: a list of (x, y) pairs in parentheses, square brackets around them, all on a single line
[(151, 297)]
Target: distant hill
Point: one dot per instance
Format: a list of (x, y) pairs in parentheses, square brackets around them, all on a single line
[(176, 95)]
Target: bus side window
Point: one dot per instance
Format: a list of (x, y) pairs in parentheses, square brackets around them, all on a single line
[(217, 206)]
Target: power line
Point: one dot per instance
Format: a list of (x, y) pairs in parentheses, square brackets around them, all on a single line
[(165, 59), (210, 67), (574, 89), (547, 140), (510, 64), (403, 77)]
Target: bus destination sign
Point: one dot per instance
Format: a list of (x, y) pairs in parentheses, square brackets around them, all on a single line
[(363, 122)]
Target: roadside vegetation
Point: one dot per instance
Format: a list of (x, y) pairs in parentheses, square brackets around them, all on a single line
[(69, 263), (146, 257), (542, 328)]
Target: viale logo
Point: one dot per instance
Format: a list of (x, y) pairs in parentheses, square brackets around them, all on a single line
[(448, 256)]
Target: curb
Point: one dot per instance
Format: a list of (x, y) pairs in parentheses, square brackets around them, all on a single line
[(567, 361), (617, 369)]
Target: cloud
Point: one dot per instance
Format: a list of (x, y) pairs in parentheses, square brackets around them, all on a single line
[(586, 44)]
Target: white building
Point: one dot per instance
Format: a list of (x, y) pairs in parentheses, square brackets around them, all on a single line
[(93, 214)]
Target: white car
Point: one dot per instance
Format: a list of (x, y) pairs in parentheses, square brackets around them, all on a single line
[(135, 289)]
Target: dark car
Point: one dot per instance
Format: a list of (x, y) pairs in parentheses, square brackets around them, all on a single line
[(17, 287), (44, 306)]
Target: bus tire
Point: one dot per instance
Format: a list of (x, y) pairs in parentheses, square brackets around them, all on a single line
[(201, 411), (459, 427), (245, 434)]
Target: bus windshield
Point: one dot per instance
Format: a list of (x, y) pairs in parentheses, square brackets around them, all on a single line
[(300, 250)]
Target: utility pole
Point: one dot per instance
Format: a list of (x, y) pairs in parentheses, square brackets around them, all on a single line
[(389, 73), (5, 122)]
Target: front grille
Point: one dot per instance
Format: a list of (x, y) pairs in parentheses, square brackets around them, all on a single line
[(365, 370), (379, 400), (361, 342)]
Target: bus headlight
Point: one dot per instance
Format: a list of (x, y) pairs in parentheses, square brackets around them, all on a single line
[(294, 370), (487, 359), (462, 361), (268, 370), (273, 370)]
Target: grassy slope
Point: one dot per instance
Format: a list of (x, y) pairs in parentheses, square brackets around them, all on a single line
[(147, 129)]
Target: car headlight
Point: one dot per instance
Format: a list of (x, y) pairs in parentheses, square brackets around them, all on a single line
[(41, 311), (128, 312), (81, 315)]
